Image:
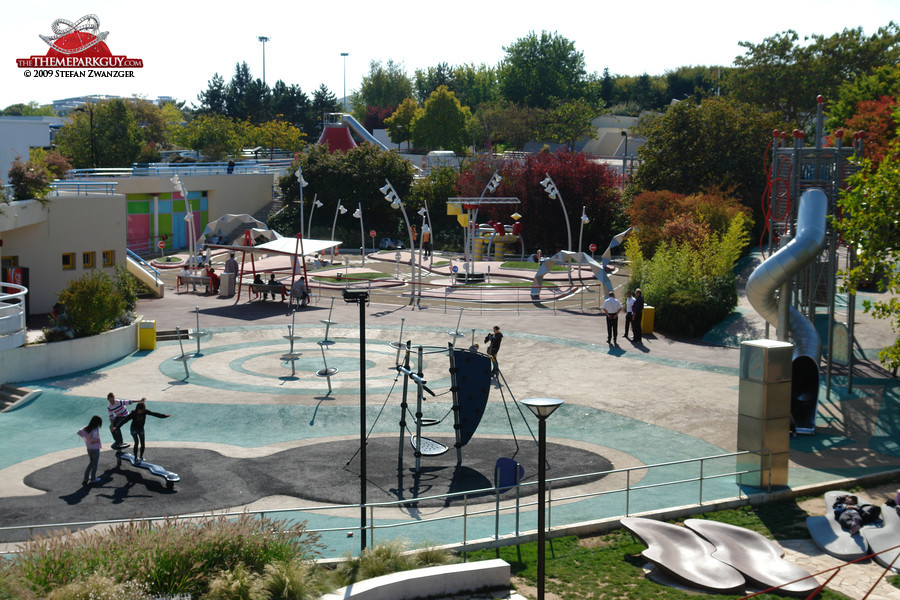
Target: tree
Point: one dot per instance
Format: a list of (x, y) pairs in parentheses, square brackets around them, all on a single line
[(883, 81), (430, 79), (475, 85), (31, 109), (781, 75), (212, 101), (323, 102), (278, 134), (570, 122), (875, 118), (29, 180), (215, 136), (441, 123), (718, 144), (292, 105), (870, 206), (399, 124), (385, 85), (236, 92), (538, 69), (105, 134)]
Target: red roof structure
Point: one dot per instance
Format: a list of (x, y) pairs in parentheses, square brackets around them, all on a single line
[(337, 135)]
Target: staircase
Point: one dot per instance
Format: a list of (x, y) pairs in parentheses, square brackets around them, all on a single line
[(272, 207), (10, 395), (169, 335)]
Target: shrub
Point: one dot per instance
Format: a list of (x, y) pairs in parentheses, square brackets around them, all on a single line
[(93, 304), (29, 180), (239, 583), (99, 587), (292, 580), (386, 558)]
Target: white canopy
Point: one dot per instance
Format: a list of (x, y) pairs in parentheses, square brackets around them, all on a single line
[(291, 246)]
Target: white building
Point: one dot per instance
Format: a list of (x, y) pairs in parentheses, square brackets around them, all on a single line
[(19, 134)]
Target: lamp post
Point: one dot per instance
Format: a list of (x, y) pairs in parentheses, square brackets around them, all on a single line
[(357, 214), (345, 55), (542, 409), (584, 221), (553, 192), (264, 39), (188, 218), (423, 212), (624, 152), (312, 209), (303, 184), (338, 209), (492, 185), (391, 195)]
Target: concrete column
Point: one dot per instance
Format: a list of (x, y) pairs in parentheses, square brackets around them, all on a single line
[(764, 409)]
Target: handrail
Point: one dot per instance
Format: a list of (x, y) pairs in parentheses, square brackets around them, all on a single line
[(13, 331), (466, 513), (169, 169), (147, 266), (107, 188)]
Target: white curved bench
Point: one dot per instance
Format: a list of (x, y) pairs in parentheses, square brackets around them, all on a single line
[(444, 580)]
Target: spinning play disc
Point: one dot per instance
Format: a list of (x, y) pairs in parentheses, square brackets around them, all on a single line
[(429, 447)]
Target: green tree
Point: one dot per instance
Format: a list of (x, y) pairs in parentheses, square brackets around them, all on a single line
[(540, 69), (323, 101), (236, 92), (31, 109), (881, 82), (105, 134), (475, 85), (29, 180), (441, 124), (870, 206), (212, 101), (215, 136), (292, 105), (718, 144), (570, 122), (781, 74), (430, 79), (385, 85), (277, 134), (399, 124)]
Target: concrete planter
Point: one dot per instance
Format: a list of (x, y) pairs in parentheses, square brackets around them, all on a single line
[(40, 361)]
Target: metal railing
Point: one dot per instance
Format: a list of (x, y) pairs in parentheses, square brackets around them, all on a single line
[(630, 498), (106, 188), (146, 266), (13, 331), (185, 169)]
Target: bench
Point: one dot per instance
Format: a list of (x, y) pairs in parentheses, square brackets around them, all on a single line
[(266, 288), (440, 581), (194, 280)]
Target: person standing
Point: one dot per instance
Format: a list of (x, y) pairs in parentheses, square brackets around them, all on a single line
[(91, 437), (138, 417), (493, 340), (638, 314), (629, 314), (611, 307), (117, 412), (231, 265), (426, 240)]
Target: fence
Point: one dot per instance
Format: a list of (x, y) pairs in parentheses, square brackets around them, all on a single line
[(185, 169), (651, 488), (81, 188), (12, 315)]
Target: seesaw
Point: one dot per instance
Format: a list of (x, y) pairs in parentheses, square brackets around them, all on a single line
[(170, 477)]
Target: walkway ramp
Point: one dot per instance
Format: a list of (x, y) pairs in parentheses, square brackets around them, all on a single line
[(146, 275)]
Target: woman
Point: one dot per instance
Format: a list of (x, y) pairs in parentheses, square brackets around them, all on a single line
[(91, 437), (137, 417)]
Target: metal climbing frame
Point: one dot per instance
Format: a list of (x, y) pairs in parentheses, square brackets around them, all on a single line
[(794, 169)]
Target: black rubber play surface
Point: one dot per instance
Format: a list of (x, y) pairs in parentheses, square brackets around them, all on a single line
[(318, 473)]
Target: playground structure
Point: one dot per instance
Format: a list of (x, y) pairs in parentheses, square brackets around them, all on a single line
[(469, 220), (802, 274), (336, 133), (600, 271)]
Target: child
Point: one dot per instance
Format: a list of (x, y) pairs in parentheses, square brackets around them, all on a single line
[(272, 281), (91, 436), (137, 418), (851, 514), (117, 412)]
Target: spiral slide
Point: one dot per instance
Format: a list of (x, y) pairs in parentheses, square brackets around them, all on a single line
[(762, 287)]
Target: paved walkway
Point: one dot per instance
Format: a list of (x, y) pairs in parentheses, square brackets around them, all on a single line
[(634, 404)]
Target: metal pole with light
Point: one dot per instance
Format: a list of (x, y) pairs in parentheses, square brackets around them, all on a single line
[(624, 152), (391, 195), (345, 55), (542, 409), (312, 209), (423, 212), (584, 221), (361, 297), (553, 192), (264, 39), (357, 214), (303, 184), (339, 209), (189, 219)]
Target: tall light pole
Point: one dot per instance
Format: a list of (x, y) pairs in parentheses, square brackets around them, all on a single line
[(345, 55), (553, 192), (312, 209), (357, 214), (391, 195), (264, 39), (338, 209), (542, 409), (584, 221), (303, 184)]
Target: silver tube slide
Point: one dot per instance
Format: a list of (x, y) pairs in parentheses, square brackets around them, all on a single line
[(766, 280), (361, 131)]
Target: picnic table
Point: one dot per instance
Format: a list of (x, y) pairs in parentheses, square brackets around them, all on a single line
[(193, 280), (267, 288)]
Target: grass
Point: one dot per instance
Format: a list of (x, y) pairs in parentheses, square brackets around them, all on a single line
[(352, 278), (530, 266), (610, 566)]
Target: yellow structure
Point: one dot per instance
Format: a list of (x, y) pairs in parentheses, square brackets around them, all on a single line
[(147, 335)]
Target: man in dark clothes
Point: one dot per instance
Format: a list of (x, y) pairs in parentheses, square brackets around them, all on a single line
[(494, 339), (638, 312)]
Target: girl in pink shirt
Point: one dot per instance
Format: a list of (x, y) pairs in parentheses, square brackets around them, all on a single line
[(91, 436)]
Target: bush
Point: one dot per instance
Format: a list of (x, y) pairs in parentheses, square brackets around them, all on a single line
[(99, 587), (92, 304), (386, 558)]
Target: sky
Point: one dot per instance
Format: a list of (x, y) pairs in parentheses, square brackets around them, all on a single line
[(184, 44)]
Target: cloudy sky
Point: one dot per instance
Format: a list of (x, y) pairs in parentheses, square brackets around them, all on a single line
[(183, 44)]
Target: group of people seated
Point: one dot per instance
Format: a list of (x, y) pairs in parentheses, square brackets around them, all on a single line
[(258, 280), (852, 515)]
